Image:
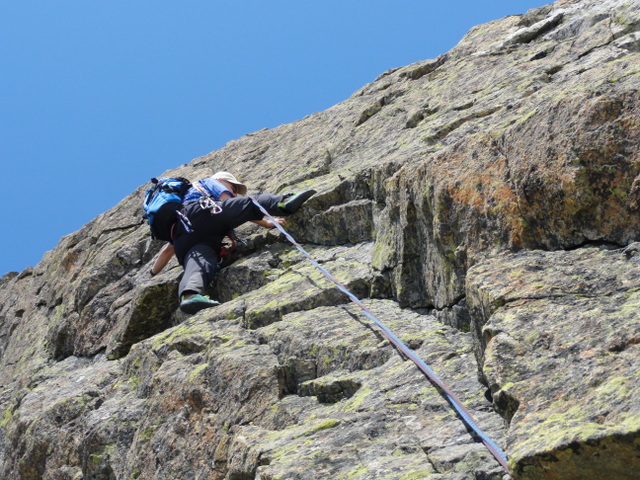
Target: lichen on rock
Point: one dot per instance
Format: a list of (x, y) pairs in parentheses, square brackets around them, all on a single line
[(484, 205)]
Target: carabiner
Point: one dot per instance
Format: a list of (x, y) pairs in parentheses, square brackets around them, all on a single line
[(208, 203)]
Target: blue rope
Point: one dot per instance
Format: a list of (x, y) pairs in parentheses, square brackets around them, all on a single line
[(464, 413)]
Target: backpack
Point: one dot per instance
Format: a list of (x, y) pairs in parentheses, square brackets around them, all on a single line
[(161, 203)]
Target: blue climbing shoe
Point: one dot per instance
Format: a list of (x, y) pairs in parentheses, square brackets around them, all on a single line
[(196, 303), (292, 202)]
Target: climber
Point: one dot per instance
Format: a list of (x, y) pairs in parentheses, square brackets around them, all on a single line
[(212, 207)]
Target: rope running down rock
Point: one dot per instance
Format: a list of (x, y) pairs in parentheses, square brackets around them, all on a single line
[(422, 366)]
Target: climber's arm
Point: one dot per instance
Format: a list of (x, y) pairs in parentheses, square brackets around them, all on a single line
[(269, 223), (164, 257)]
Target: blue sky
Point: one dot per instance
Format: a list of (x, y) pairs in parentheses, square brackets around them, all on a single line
[(98, 96)]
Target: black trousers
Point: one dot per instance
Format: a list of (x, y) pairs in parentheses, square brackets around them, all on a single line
[(197, 251)]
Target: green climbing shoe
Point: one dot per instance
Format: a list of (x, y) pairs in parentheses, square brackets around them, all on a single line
[(293, 202), (196, 303)]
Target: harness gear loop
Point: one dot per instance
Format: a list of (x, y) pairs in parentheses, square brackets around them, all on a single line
[(206, 202)]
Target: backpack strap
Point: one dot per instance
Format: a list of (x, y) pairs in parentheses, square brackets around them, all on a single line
[(198, 187)]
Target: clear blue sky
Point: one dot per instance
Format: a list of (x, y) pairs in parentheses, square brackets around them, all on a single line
[(98, 96)]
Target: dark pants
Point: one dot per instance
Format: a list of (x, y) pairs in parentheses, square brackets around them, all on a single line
[(197, 250)]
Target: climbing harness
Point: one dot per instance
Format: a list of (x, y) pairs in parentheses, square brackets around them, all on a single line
[(230, 243), (453, 400), (207, 202)]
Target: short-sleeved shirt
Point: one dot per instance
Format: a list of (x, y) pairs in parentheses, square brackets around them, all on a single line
[(213, 187)]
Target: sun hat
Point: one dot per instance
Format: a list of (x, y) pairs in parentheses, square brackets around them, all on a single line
[(241, 187)]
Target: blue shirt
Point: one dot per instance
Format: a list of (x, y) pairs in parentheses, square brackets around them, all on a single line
[(213, 187)]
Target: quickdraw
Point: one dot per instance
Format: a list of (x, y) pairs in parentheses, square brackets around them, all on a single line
[(208, 203)]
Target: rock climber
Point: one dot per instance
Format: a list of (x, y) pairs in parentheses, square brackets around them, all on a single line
[(212, 207)]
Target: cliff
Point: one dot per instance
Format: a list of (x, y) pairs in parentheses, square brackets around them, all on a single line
[(484, 205)]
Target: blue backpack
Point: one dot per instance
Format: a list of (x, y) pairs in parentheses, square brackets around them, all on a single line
[(161, 203)]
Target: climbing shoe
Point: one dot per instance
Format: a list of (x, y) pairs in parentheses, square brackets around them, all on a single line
[(291, 203), (196, 303)]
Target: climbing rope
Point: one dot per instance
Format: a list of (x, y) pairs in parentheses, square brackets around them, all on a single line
[(464, 413)]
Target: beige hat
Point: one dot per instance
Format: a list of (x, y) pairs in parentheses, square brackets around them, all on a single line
[(241, 187)]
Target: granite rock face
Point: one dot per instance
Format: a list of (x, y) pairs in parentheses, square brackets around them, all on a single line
[(561, 357), (485, 207)]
